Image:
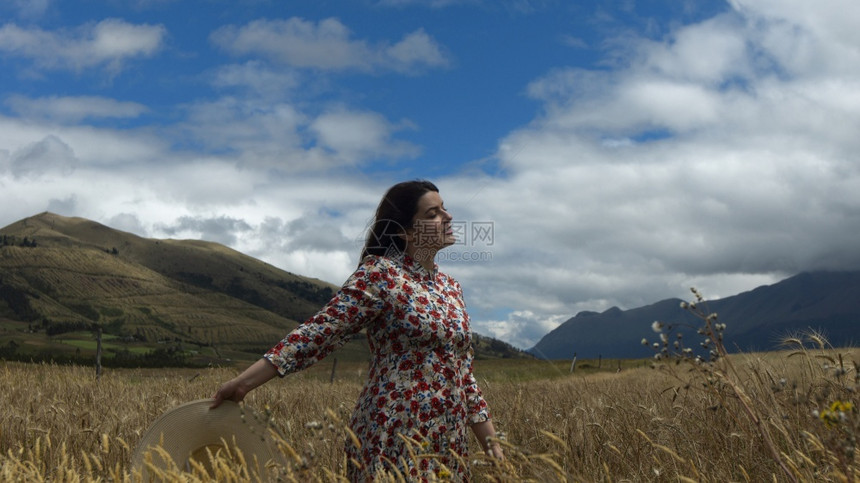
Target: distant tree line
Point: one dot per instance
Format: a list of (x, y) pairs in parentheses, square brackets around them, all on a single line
[(172, 356), (11, 241)]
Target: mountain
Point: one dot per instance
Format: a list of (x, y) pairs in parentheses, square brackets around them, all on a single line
[(173, 301), (828, 302)]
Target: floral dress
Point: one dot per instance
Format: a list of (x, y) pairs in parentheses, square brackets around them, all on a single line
[(413, 412)]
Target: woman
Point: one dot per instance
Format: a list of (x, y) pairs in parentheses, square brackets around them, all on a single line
[(420, 384)]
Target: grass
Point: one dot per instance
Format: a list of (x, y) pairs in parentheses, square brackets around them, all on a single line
[(639, 424), (782, 416)]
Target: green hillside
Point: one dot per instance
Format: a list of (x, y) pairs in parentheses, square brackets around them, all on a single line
[(156, 302)]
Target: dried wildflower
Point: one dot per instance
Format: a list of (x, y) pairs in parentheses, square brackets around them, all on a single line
[(657, 326), (644, 341)]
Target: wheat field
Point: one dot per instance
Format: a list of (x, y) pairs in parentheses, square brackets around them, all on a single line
[(788, 416)]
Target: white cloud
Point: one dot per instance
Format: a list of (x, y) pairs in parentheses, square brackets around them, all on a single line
[(746, 182), (107, 147), (523, 326), (108, 43), (327, 45), (73, 109), (258, 79), (221, 229), (812, 40), (681, 58), (278, 135), (47, 157), (354, 136), (415, 49)]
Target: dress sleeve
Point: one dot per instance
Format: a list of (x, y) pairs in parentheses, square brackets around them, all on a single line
[(477, 409), (358, 302)]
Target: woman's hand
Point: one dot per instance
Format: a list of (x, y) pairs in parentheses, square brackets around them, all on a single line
[(486, 433), (495, 451), (231, 390), (235, 389)]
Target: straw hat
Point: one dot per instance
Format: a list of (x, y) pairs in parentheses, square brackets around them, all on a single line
[(187, 431)]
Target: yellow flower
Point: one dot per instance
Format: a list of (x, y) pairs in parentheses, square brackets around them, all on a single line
[(836, 412), (841, 406)]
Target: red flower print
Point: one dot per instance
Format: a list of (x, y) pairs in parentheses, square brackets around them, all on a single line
[(419, 383)]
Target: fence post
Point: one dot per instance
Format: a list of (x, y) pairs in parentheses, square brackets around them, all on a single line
[(333, 368), (98, 352)]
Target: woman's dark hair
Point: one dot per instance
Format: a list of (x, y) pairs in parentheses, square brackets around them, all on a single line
[(393, 216)]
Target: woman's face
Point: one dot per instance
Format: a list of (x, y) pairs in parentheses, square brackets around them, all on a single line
[(431, 227)]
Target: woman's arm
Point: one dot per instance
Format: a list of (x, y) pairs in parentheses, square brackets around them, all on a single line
[(483, 431), (235, 389)]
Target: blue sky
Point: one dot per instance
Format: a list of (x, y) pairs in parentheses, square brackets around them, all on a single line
[(621, 151)]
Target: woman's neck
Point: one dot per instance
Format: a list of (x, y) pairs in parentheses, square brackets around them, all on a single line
[(424, 256)]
